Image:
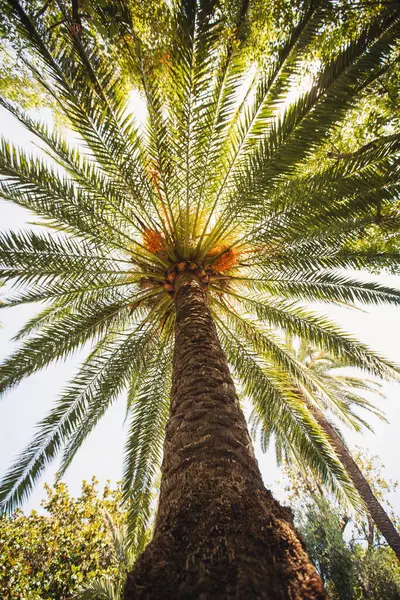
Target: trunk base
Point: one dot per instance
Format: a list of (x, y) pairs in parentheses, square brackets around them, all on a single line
[(232, 543)]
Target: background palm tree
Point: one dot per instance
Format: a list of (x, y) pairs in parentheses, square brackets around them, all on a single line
[(206, 227), (106, 588), (346, 389)]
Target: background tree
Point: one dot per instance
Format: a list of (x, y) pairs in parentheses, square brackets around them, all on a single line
[(51, 555), (214, 215), (101, 22), (346, 389), (353, 559), (16, 81)]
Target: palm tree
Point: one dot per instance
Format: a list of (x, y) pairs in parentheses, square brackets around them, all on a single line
[(179, 248), (346, 390), (106, 588)]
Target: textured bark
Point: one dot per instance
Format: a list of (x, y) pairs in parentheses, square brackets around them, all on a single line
[(377, 512), (219, 534)]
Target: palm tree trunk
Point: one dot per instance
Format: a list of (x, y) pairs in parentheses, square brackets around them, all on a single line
[(219, 534), (377, 512)]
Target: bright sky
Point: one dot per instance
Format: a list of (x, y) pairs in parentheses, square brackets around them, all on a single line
[(101, 455)]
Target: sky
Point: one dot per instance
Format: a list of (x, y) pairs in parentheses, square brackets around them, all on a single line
[(101, 454)]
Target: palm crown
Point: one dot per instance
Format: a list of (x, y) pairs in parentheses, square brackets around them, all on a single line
[(217, 182)]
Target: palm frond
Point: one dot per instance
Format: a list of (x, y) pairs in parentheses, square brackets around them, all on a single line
[(99, 589), (324, 286), (103, 375), (320, 331), (273, 394), (148, 412)]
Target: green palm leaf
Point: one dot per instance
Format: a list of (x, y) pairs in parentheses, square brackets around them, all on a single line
[(101, 378), (148, 412)]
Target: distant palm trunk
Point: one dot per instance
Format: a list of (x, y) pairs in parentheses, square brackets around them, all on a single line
[(219, 533), (377, 512)]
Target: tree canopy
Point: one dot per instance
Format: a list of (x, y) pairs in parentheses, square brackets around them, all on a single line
[(347, 549), (55, 554)]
